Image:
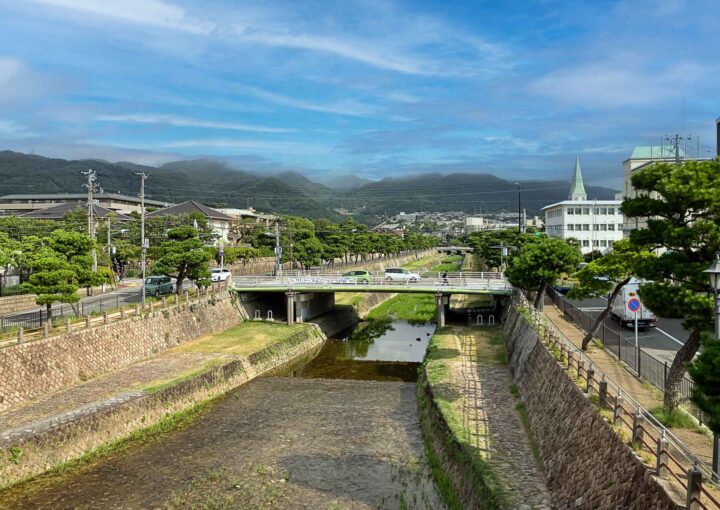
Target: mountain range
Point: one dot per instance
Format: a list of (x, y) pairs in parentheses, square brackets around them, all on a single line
[(216, 184)]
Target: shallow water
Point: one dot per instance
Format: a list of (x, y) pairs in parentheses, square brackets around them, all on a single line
[(372, 350)]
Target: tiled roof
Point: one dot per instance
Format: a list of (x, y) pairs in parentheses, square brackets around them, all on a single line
[(190, 207), (58, 212)]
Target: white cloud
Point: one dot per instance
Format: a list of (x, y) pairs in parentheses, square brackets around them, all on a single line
[(613, 83), (143, 12), (173, 120), (351, 107), (11, 129), (365, 53), (10, 68)]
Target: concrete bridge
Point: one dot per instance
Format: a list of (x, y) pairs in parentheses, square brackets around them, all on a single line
[(296, 285), (455, 250)]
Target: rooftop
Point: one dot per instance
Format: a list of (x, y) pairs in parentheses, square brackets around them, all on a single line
[(58, 212), (585, 203), (654, 152), (190, 207)]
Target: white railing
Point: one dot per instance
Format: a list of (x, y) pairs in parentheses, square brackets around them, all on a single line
[(470, 281)]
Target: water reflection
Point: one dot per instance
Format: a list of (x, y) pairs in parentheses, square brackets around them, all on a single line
[(373, 350)]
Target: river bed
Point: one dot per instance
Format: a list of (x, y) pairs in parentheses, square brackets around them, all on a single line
[(339, 431)]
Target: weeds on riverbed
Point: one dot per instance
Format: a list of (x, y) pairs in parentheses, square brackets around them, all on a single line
[(414, 308)]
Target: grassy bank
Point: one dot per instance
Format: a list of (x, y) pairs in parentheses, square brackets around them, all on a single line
[(244, 339), (459, 466)]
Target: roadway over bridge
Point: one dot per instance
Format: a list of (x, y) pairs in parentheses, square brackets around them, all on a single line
[(474, 283)]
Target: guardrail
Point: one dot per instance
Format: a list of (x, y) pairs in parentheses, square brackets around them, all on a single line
[(638, 361), (659, 447)]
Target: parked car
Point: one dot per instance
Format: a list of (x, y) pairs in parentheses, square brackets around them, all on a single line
[(360, 276), (220, 275), (157, 285), (400, 274)]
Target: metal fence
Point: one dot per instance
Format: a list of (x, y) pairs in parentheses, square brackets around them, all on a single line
[(672, 460), (645, 365)]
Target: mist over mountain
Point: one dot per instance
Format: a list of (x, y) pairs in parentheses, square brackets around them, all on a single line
[(216, 184)]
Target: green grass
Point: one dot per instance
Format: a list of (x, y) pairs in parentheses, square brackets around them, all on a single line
[(418, 308), (424, 263), (452, 263), (677, 419), (525, 420), (244, 339)]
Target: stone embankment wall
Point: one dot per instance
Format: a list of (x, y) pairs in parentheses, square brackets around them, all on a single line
[(34, 369), (65, 438), (586, 463), (19, 303)]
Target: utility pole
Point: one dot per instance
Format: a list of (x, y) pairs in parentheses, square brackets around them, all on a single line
[(278, 249), (143, 243), (90, 185), (519, 208)]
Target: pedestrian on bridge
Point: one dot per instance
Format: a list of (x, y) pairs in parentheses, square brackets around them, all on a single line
[(445, 278)]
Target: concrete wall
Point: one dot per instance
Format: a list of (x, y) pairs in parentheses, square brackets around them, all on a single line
[(33, 369), (586, 463), (61, 440)]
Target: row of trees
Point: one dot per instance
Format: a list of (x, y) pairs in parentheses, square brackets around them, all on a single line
[(679, 208), (322, 242)]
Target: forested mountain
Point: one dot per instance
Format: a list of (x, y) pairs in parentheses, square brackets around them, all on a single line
[(215, 184)]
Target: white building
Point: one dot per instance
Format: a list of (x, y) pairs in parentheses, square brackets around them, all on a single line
[(596, 224), (474, 224)]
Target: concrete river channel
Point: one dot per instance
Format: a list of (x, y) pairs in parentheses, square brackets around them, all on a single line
[(339, 430)]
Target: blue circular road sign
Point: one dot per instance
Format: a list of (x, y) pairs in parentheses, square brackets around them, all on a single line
[(633, 304)]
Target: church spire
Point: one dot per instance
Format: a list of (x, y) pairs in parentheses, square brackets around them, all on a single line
[(577, 188)]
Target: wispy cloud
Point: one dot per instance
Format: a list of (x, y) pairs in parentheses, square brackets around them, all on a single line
[(350, 107), (11, 129), (142, 12), (233, 144), (172, 120)]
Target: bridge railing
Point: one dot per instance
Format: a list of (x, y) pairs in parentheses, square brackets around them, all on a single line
[(382, 274), (489, 281)]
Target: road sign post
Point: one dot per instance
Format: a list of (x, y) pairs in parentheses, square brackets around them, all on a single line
[(634, 306)]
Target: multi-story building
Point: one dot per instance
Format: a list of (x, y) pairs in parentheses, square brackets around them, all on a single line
[(219, 222), (21, 204), (595, 224)]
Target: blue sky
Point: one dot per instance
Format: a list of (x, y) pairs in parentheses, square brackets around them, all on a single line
[(372, 88)]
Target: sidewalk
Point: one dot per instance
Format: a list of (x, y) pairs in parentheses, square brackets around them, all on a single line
[(648, 396)]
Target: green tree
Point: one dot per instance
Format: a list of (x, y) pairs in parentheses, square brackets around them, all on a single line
[(183, 256), (607, 275), (539, 264), (486, 244), (705, 371), (681, 207)]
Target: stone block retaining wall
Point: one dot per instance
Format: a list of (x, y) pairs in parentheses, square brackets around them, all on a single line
[(587, 465), (34, 369), (19, 303), (68, 437)]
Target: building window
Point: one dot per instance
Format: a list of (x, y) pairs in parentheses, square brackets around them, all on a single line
[(578, 227), (571, 227), (603, 243), (603, 227), (610, 243), (597, 210), (595, 243), (586, 226), (611, 210), (570, 210), (586, 243), (603, 210), (611, 226), (578, 210), (586, 210), (596, 227)]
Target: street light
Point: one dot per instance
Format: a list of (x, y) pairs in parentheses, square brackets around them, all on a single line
[(713, 273)]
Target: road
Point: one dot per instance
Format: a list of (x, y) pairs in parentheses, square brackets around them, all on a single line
[(662, 341)]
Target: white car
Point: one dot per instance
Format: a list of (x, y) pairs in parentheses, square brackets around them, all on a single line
[(220, 275), (400, 274)]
